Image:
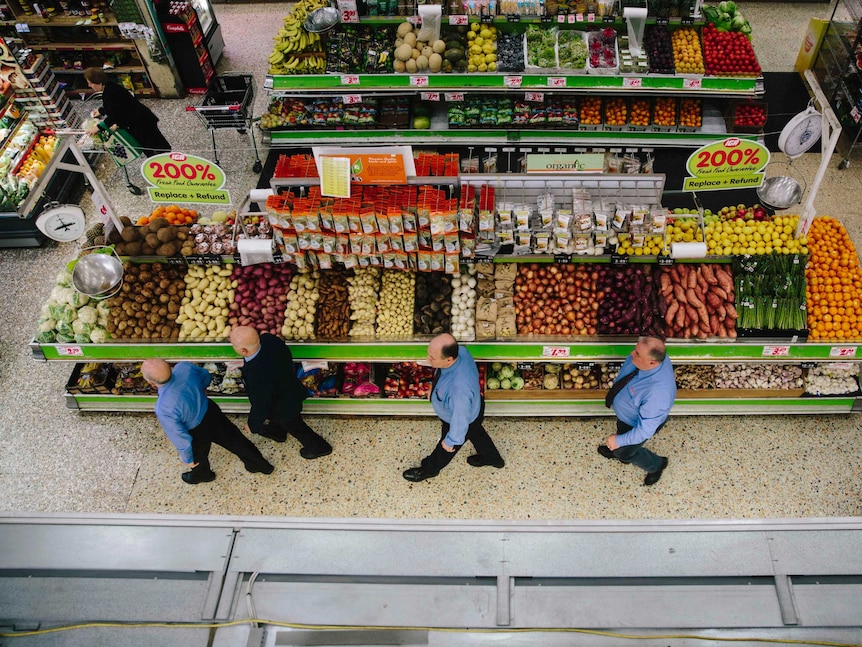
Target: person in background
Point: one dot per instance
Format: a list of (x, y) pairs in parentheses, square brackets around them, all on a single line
[(642, 397), (459, 404), (192, 422), (120, 108), (275, 393)]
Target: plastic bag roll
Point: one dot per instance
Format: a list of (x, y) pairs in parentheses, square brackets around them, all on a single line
[(688, 250)]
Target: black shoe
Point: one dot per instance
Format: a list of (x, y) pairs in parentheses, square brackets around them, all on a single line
[(191, 479), (653, 477), (275, 437), (417, 474), (606, 451), (477, 461), (267, 469), (311, 454)]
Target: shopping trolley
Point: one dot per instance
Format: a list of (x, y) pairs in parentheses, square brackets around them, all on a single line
[(117, 143), (228, 103)]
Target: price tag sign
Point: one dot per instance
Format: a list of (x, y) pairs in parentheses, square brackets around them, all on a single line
[(349, 79), (585, 366), (556, 351), (562, 259), (513, 17), (458, 20), (572, 19), (512, 81), (609, 19), (619, 259), (195, 259), (70, 351), (348, 11), (591, 17), (561, 18), (808, 364), (665, 261), (661, 21), (536, 97), (633, 82), (454, 96), (579, 17), (525, 366), (775, 351), (856, 114), (176, 260), (237, 259), (842, 351), (692, 84), (429, 96), (840, 365), (419, 81), (414, 20), (556, 81), (22, 28), (687, 21), (351, 99), (277, 258), (546, 18)]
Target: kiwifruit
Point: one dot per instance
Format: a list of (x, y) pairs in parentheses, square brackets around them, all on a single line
[(166, 234), (153, 240), (167, 249), (130, 233), (158, 223)]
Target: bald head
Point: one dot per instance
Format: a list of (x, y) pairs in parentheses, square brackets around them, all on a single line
[(245, 340), (443, 351), (156, 371)]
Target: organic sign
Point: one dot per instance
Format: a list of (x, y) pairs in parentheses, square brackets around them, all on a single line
[(729, 164), (181, 178)]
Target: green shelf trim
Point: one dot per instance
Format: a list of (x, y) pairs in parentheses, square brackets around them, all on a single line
[(383, 351), (497, 81)]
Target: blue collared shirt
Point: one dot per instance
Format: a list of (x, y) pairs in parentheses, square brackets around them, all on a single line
[(645, 402), (253, 355), (181, 406), (456, 398)]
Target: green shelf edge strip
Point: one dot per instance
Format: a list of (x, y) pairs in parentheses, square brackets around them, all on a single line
[(461, 82), (417, 350)]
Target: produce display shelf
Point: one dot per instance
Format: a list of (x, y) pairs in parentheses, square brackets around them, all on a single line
[(550, 349), (499, 20), (479, 136), (67, 21), (83, 46), (122, 69), (559, 407), (648, 84)]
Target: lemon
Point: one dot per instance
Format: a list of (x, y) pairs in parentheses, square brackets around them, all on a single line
[(728, 251), (639, 251)]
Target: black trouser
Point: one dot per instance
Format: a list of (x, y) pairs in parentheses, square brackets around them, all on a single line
[(476, 434), (297, 427), (216, 428), (637, 454)]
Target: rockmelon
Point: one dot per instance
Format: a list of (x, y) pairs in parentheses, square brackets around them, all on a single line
[(411, 66), (404, 52), (439, 46), (410, 38), (422, 63), (435, 62), (403, 29)]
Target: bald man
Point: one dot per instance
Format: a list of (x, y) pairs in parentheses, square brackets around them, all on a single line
[(192, 422), (274, 391), (458, 402), (642, 397)]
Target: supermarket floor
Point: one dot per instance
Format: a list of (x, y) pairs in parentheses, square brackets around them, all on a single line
[(55, 460)]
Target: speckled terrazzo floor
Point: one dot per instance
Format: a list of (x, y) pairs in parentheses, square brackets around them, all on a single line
[(55, 460)]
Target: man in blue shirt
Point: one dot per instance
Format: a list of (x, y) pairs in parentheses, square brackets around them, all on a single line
[(642, 397), (192, 422), (458, 402)]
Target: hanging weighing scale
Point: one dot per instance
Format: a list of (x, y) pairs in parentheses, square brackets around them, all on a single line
[(801, 133), (62, 222)]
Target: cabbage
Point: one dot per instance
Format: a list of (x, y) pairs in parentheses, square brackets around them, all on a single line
[(506, 372), (506, 383), (99, 335), (46, 325), (738, 22), (727, 6), (80, 327), (46, 337), (78, 299), (517, 382), (88, 314), (496, 366), (493, 383)]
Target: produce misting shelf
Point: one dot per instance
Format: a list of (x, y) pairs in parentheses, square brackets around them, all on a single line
[(724, 86), (563, 349), (564, 406)]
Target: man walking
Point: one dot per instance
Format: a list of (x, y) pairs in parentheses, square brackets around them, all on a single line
[(642, 397), (275, 393), (458, 403), (192, 422)]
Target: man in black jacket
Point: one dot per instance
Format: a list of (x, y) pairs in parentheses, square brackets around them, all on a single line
[(275, 393)]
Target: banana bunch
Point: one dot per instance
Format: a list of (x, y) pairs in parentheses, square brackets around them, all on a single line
[(302, 64), (293, 39)]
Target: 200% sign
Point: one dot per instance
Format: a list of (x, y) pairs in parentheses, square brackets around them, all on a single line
[(181, 170), (732, 156)]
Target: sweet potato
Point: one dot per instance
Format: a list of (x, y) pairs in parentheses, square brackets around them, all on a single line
[(679, 293), (692, 298), (672, 309), (708, 274), (731, 311)]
